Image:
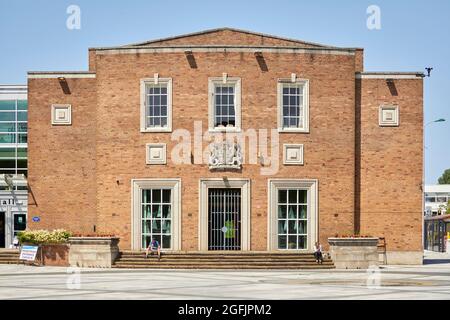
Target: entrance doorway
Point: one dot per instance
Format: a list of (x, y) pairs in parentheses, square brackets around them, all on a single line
[(224, 219), (2, 229)]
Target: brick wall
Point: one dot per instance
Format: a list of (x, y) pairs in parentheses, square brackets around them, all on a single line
[(391, 161), (61, 159)]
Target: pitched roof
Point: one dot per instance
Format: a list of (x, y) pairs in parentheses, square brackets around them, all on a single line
[(228, 36), (224, 37)]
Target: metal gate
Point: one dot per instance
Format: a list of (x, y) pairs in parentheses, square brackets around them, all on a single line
[(224, 219)]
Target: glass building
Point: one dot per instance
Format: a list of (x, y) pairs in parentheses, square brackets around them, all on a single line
[(13, 162)]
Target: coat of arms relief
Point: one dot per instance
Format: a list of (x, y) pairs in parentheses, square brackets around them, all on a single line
[(225, 155)]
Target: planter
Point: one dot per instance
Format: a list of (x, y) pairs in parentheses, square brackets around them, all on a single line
[(93, 252), (354, 253), (56, 255)]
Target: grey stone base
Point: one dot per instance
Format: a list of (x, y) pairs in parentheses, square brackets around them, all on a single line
[(93, 252)]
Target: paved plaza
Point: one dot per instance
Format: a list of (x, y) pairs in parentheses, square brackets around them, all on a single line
[(430, 281)]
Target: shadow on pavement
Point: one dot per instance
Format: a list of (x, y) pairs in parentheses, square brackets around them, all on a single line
[(436, 261)]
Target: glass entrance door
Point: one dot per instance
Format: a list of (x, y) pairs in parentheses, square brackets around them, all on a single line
[(224, 219), (2, 229), (20, 223)]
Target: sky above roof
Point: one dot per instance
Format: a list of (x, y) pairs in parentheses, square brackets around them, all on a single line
[(413, 35)]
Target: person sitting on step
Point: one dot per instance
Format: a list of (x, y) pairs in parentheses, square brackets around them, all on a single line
[(318, 253), (153, 246)]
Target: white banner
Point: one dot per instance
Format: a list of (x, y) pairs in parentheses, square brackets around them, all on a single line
[(28, 253)]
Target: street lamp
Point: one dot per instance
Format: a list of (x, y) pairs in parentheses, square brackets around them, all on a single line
[(435, 121)]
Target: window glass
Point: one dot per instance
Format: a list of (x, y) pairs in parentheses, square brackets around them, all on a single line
[(292, 219), (7, 127), (7, 138), (156, 105), (22, 105), (224, 106), (7, 116), (7, 105), (293, 105), (156, 217), (22, 116)]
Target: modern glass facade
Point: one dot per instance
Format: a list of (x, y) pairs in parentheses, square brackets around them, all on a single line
[(13, 162), (13, 136)]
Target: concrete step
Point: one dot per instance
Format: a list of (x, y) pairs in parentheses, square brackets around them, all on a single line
[(206, 260), (234, 267)]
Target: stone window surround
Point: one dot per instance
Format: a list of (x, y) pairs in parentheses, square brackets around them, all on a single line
[(313, 210), (305, 83), (150, 81), (137, 185), (244, 185), (211, 102)]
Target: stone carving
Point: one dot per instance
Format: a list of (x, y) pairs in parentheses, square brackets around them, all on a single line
[(225, 155)]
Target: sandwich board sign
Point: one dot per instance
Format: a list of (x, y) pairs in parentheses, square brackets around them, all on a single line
[(28, 253)]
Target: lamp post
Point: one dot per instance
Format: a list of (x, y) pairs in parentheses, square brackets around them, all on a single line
[(435, 121)]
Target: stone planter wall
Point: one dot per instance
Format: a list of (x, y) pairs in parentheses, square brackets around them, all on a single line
[(354, 253), (93, 252), (55, 255)]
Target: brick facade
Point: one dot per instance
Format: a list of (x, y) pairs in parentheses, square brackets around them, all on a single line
[(369, 176)]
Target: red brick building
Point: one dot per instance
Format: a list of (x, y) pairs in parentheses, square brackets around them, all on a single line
[(315, 146)]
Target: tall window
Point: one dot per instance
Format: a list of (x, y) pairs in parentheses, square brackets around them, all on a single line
[(293, 106), (157, 217), (13, 136), (224, 104), (292, 208), (156, 105)]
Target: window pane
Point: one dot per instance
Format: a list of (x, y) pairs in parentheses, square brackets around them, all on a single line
[(156, 211), (7, 153), (7, 116), (156, 196), (146, 226), (7, 127), (282, 227), (292, 196), (22, 127), (302, 212), (281, 242), (282, 196), (282, 212), (166, 211), (22, 105), (7, 105), (7, 138), (22, 116), (156, 226), (23, 138), (302, 242), (166, 242), (303, 196), (167, 196), (292, 242), (146, 211), (22, 164), (292, 212), (10, 164), (166, 226)]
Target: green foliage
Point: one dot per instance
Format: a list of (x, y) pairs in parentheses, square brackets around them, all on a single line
[(44, 236), (445, 178)]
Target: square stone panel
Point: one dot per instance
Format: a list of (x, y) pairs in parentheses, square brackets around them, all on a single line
[(62, 114), (389, 116), (156, 153), (293, 154)]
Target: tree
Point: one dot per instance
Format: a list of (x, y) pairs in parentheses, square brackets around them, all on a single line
[(445, 179)]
